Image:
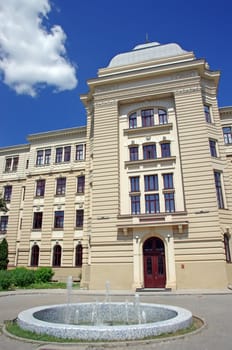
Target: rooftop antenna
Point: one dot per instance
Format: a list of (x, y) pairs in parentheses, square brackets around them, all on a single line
[(147, 40)]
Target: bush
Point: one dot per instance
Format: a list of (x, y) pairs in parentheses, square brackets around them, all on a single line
[(5, 280), (21, 277), (43, 274), (3, 254)]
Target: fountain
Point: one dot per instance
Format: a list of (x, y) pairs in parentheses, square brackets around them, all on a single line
[(104, 320)]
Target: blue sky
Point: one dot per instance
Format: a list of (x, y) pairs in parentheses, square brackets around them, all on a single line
[(39, 67)]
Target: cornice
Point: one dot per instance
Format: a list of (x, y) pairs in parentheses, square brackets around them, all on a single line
[(14, 149), (81, 131)]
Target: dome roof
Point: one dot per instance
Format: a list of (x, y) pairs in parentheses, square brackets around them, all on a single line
[(146, 52)]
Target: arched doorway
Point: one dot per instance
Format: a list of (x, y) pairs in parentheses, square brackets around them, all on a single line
[(154, 263)]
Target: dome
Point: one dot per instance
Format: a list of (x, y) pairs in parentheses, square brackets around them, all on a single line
[(146, 52)]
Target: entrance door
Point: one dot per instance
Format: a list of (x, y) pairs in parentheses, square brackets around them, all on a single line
[(154, 263)]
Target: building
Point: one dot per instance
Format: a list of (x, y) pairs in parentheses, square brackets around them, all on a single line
[(155, 158)]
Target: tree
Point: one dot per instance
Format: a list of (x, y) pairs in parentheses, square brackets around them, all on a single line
[(3, 206), (3, 254)]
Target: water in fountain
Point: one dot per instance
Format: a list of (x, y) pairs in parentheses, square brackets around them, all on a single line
[(69, 285)]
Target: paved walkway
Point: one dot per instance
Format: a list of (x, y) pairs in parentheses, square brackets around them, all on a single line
[(214, 307)]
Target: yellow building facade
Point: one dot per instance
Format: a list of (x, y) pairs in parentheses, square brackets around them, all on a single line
[(141, 196)]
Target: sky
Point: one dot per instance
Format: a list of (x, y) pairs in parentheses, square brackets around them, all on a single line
[(49, 49)]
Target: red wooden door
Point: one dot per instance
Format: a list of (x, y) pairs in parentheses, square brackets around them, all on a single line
[(154, 263)]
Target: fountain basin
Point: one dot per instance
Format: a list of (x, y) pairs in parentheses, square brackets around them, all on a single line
[(104, 321)]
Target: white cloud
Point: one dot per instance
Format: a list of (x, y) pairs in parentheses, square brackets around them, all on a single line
[(31, 56)]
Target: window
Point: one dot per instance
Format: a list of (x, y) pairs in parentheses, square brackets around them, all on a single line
[(47, 158), (147, 117), (227, 247), (35, 255), (151, 182), (169, 202), (43, 157), (135, 204), (134, 184), (60, 185), (40, 188), (37, 220), (149, 151), (134, 153), (11, 164), (57, 251), (59, 154), (79, 217), (213, 148), (152, 203), (133, 121), (168, 181), (3, 224), (165, 150), (7, 193), (163, 117), (78, 255), (81, 184), (59, 219), (67, 153), (207, 114), (219, 191), (80, 152), (227, 134)]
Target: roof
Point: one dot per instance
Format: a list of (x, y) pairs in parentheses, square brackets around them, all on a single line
[(145, 52)]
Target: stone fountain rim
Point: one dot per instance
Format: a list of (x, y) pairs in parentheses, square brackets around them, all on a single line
[(27, 316)]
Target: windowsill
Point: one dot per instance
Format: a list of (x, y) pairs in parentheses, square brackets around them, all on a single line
[(59, 195), (58, 229), (147, 161), (142, 129), (3, 232)]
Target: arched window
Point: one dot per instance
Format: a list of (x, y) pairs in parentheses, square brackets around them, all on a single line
[(78, 256), (57, 255), (35, 255), (227, 248)]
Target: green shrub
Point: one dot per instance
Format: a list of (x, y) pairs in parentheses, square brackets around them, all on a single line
[(22, 277), (3, 254), (5, 280), (43, 274)]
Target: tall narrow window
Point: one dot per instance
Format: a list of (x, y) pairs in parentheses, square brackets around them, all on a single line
[(151, 182), (59, 154), (219, 191), (227, 247), (60, 185), (213, 148), (59, 219), (163, 117), (147, 117), (35, 255), (39, 157), (81, 184), (7, 193), (168, 181), (227, 134), (3, 224), (47, 159), (79, 218), (135, 204), (40, 188), (169, 202), (80, 149), (67, 153), (37, 220), (207, 114), (149, 151), (134, 153), (134, 183), (165, 150), (152, 203), (133, 121), (78, 255), (57, 251)]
